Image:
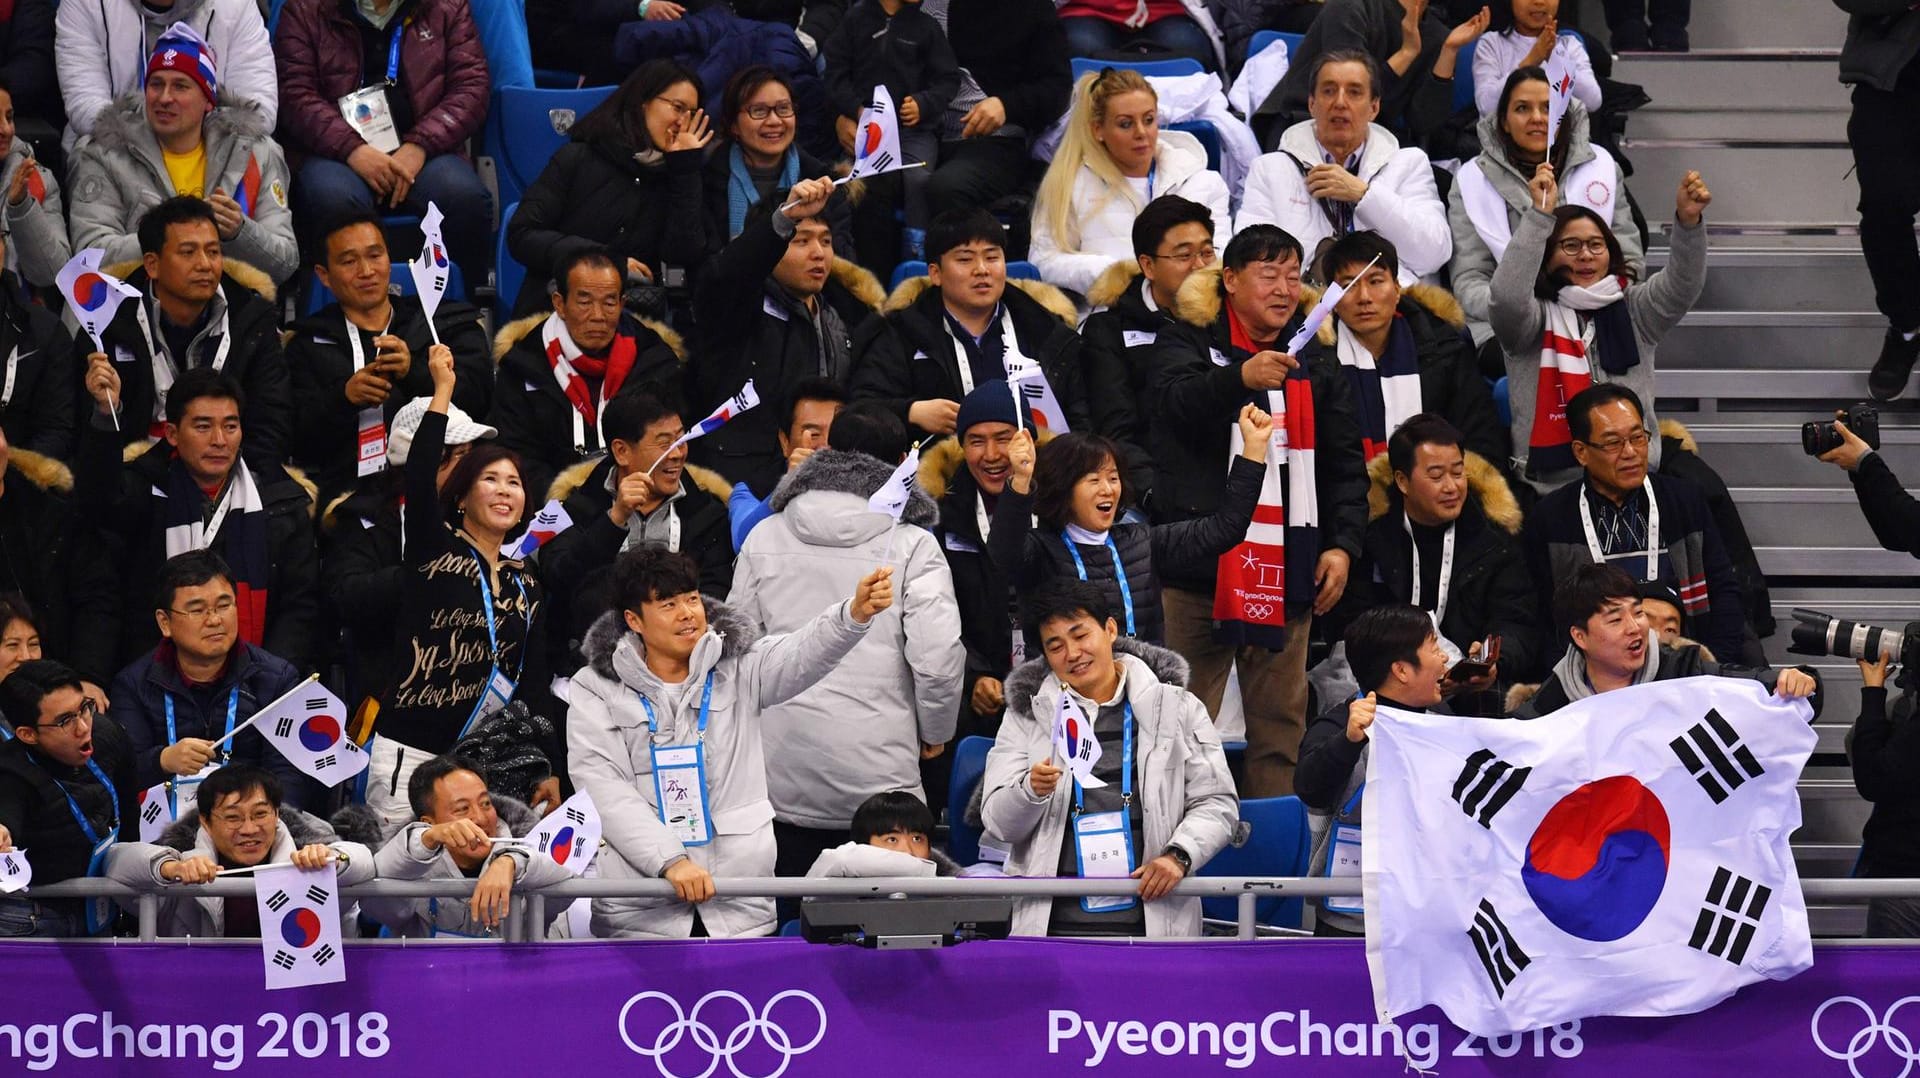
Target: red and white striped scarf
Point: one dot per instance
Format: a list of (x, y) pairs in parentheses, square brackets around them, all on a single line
[(1256, 579), (1566, 368), (568, 362)]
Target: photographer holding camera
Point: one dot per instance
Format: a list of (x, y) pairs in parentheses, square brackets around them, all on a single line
[(1893, 514)]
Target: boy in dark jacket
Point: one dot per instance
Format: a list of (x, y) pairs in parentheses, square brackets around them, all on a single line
[(893, 43)]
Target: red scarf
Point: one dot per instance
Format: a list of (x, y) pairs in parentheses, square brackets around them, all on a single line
[(611, 371)]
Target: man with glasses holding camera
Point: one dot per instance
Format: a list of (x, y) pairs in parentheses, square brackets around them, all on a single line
[(1652, 526)]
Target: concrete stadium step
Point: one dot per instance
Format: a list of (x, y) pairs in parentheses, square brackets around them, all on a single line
[(1760, 181), (1793, 340), (1750, 94), (1766, 23), (1777, 277), (1762, 456)]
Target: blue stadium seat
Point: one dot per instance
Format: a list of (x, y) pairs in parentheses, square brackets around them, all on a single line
[(1083, 65), (508, 273), (1022, 271), (527, 126), (969, 767), (1264, 38), (1208, 135), (1501, 402), (1278, 846), (319, 295), (790, 928)]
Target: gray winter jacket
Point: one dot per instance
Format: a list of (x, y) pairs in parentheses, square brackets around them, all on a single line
[(1184, 791), (1883, 36), (36, 230), (1473, 261), (120, 175), (403, 857), (137, 864), (1655, 305), (610, 758), (859, 731)]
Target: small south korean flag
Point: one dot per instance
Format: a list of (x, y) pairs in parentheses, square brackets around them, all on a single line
[(549, 522), (300, 926), (1074, 745), (156, 812), (309, 729), (570, 834), (15, 872)]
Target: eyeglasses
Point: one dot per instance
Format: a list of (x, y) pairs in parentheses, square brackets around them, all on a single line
[(1612, 447), (679, 109), (87, 710), (1188, 256), (220, 609), (1594, 246), (783, 109)]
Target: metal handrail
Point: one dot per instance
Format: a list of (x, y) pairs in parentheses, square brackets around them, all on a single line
[(1247, 889)]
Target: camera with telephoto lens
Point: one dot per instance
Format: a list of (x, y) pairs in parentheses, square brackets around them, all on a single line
[(1823, 634), (1821, 436)]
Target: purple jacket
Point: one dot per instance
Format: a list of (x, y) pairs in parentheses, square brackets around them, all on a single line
[(317, 48)]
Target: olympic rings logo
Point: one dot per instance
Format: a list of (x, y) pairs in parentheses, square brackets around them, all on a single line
[(1868, 1037), (1257, 611), (688, 1024)]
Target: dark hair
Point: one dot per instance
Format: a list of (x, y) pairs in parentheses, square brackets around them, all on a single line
[(1531, 73), (203, 383), (425, 777), (1547, 286), (1599, 395), (594, 257), (1065, 598), (1163, 215), (632, 411), (1382, 636), (1345, 56), (872, 428), (343, 220), (744, 84), (178, 210), (621, 118), (466, 472), (1585, 589), (1259, 243), (809, 389), (236, 779), (14, 607), (188, 570), (1356, 249), (30, 682), (649, 573), (957, 228), (895, 810), (1425, 428), (1059, 467)]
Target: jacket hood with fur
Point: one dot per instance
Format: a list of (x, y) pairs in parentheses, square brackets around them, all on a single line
[(1484, 483), (123, 127), (1433, 299), (42, 471), (844, 473), (1203, 293), (1114, 281), (737, 636), (1046, 295), (1165, 664), (574, 476), (511, 334)]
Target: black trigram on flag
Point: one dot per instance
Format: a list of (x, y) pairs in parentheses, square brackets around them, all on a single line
[(881, 161), (277, 901), (1711, 751), (576, 817), (1486, 784), (877, 107), (325, 762), (324, 955), (152, 811), (314, 703), (13, 867), (318, 895), (1731, 916), (283, 959), (1500, 956), (283, 728)]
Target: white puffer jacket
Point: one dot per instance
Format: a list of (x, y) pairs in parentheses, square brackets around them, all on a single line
[(1105, 216)]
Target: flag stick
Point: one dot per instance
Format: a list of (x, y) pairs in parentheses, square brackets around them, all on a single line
[(849, 178), (433, 330), (113, 406), (333, 855), (310, 678), (891, 528)]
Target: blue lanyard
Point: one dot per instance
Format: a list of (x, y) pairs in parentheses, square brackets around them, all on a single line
[(1119, 572), (1126, 761), (393, 51), (1152, 171), (706, 702), (486, 604), (113, 797), (233, 711), (1347, 809)]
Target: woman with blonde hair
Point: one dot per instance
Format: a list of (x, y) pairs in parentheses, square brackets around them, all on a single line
[(1113, 160)]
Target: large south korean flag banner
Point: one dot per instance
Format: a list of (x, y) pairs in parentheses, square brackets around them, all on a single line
[(1626, 855)]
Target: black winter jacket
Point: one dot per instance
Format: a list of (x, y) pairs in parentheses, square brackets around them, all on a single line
[(1120, 335), (1885, 752), (363, 577), (979, 586), (908, 356), (749, 328), (598, 194), (56, 559), (1017, 51), (718, 172), (1192, 406), (39, 413), (1032, 556), (35, 811), (906, 52), (326, 425)]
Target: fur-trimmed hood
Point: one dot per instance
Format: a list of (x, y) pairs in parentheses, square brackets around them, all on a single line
[(574, 476), (944, 459), (1436, 301), (736, 632), (1114, 281), (859, 282), (1162, 663), (42, 471), (1203, 293), (121, 126), (1484, 483), (183, 834), (235, 272), (1046, 295), (511, 333), (849, 473)]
